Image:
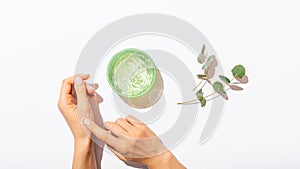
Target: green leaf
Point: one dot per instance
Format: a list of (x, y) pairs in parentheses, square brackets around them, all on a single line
[(203, 102), (203, 49), (201, 58), (201, 76), (224, 79), (238, 71), (208, 62), (200, 95), (218, 87)]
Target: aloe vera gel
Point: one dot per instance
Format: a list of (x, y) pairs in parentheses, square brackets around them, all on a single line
[(133, 75)]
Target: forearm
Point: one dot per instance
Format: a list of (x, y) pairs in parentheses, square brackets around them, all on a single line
[(84, 156), (165, 161)]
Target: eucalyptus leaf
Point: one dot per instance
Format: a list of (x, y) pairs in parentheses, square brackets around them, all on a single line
[(242, 80), (224, 79), (209, 60), (203, 49), (201, 98), (234, 87), (203, 102), (218, 87), (201, 76), (210, 72), (238, 71), (200, 95), (201, 58), (214, 63), (224, 95)]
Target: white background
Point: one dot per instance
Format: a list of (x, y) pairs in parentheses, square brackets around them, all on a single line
[(40, 42)]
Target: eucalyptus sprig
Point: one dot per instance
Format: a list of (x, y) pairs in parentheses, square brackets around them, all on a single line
[(220, 87)]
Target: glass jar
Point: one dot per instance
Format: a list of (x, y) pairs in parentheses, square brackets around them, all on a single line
[(133, 75)]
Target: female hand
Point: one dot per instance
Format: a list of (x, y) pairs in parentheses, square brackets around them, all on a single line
[(77, 101), (133, 141), (75, 105)]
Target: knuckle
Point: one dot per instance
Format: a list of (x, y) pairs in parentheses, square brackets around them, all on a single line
[(138, 133), (119, 120), (143, 127), (106, 124), (106, 137)]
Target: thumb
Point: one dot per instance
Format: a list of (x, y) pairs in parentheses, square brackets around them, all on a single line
[(81, 90)]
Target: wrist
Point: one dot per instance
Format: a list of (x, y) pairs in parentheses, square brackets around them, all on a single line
[(84, 145), (160, 161), (84, 156), (166, 161)]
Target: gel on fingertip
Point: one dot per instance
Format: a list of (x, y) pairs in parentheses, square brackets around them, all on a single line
[(87, 122), (78, 80)]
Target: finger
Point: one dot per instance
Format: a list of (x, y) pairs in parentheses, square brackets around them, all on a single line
[(125, 124), (80, 89), (67, 83), (66, 89), (101, 133), (91, 88), (134, 121), (115, 129), (132, 118), (98, 98)]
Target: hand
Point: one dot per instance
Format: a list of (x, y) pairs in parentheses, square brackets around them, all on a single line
[(74, 106), (133, 141)]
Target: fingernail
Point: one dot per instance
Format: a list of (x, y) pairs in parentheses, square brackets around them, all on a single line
[(78, 80), (91, 87), (87, 122)]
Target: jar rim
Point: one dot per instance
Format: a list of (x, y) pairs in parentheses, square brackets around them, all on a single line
[(119, 57)]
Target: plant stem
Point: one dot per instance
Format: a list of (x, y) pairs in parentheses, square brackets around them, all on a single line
[(198, 85), (191, 103), (216, 92), (210, 94), (217, 95), (232, 79), (188, 101), (227, 84), (204, 84)]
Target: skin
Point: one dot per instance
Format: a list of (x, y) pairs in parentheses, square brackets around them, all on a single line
[(133, 142), (128, 138), (73, 106)]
